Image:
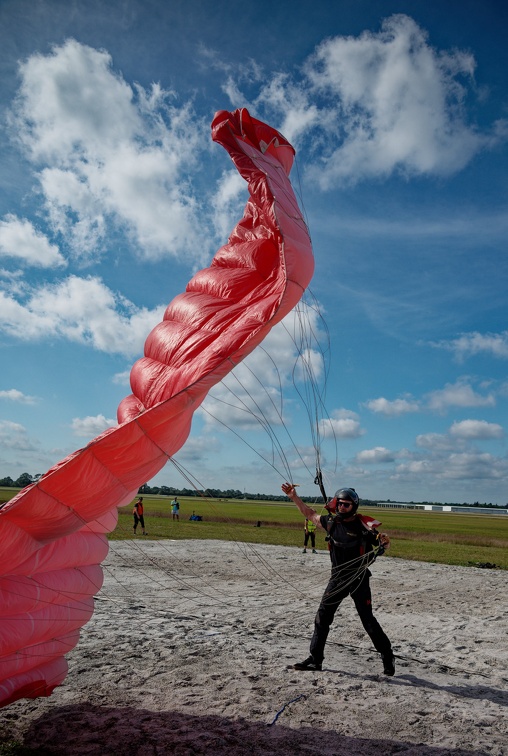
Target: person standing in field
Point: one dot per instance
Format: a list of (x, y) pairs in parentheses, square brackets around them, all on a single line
[(139, 517), (310, 532), (175, 508), (353, 543)]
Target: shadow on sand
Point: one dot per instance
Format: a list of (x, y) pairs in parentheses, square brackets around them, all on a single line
[(101, 731)]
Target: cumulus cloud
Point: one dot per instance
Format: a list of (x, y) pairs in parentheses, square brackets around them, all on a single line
[(108, 152), (81, 310), (474, 466), (21, 241), (452, 457), (399, 104), (392, 408), (342, 423), (14, 436), (458, 394), (298, 113), (471, 344), (196, 449), (379, 103), (476, 429), (89, 427), (375, 456), (435, 441), (122, 379), (228, 202), (459, 436), (13, 395)]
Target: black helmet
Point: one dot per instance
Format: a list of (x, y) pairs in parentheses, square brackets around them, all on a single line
[(349, 494)]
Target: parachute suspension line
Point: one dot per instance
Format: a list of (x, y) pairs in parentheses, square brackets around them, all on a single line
[(281, 418), (307, 343), (145, 557), (299, 193), (315, 422), (246, 548), (265, 422), (261, 418), (232, 430)]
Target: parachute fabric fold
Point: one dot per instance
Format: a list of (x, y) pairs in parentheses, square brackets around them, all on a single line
[(52, 533)]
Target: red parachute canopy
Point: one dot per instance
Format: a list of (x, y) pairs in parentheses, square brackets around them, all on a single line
[(52, 534)]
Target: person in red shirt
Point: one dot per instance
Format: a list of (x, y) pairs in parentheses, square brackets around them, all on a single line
[(138, 515)]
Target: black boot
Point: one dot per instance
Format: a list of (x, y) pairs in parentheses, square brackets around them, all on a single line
[(388, 664), (309, 664)]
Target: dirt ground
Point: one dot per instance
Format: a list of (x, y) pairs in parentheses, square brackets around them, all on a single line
[(191, 646)]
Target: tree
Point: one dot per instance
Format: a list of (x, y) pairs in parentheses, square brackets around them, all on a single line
[(24, 480)]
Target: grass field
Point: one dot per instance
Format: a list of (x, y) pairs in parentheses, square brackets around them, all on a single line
[(447, 538)]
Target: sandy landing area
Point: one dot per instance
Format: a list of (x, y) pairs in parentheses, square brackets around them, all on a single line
[(191, 645)]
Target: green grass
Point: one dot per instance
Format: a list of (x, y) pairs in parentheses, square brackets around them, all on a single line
[(446, 538)]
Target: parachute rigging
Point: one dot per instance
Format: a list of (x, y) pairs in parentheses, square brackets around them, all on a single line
[(53, 532)]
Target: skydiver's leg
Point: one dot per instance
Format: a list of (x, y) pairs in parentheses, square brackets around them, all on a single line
[(363, 602), (330, 602), (136, 520)]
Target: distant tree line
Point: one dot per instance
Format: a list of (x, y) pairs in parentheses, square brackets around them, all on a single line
[(25, 479), (217, 493)]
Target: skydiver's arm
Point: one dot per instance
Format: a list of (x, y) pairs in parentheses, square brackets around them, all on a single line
[(307, 512)]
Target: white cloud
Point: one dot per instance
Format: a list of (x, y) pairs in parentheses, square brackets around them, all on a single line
[(375, 456), (342, 423), (476, 429), (195, 449), (393, 408), (435, 442), (399, 104), (89, 427), (122, 379), (13, 395), (83, 310), (109, 152), (20, 240), (474, 466), (471, 344), (298, 112), (458, 394), (14, 436), (228, 202)]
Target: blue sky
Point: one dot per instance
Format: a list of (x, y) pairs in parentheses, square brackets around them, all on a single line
[(112, 195)]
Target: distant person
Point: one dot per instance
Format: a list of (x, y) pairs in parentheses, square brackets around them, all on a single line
[(138, 515), (352, 542), (310, 532), (175, 508)]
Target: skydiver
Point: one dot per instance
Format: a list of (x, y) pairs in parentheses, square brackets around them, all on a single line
[(349, 539)]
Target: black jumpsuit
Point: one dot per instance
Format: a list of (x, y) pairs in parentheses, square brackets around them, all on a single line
[(348, 541)]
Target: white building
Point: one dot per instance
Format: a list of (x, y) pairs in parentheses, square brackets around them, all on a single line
[(442, 508)]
